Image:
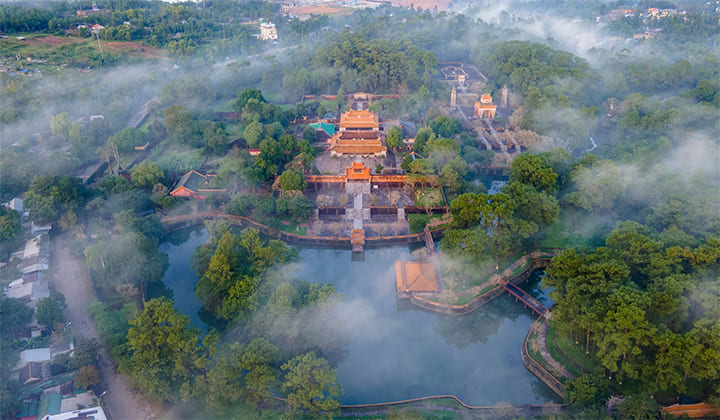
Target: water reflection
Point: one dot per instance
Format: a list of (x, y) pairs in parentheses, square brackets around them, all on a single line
[(478, 326), (394, 353)]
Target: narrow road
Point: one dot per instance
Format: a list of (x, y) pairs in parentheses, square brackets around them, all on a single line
[(71, 278)]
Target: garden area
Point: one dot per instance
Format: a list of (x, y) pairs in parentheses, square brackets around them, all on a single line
[(429, 197)]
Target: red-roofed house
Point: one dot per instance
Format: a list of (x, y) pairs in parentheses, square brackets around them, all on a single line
[(195, 185)]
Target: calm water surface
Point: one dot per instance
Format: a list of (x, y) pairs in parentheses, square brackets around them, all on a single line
[(400, 353)]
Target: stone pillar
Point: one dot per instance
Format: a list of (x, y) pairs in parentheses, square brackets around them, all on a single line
[(453, 95)]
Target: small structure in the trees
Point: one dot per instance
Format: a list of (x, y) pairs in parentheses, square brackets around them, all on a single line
[(195, 185), (485, 108), (268, 31)]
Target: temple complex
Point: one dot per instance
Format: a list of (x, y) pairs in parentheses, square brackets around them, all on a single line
[(359, 134), (485, 109)]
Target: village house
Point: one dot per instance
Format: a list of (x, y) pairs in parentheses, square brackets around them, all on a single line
[(95, 29), (195, 185), (268, 32), (94, 413), (29, 292)]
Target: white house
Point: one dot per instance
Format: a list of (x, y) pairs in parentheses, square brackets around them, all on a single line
[(268, 31)]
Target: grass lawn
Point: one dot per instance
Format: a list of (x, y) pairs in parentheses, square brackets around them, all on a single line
[(571, 355), (538, 357), (237, 411), (431, 197), (462, 300), (560, 235), (298, 230)]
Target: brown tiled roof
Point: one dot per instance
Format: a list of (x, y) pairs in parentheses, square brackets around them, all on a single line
[(359, 119), (415, 276), (357, 135), (358, 149)]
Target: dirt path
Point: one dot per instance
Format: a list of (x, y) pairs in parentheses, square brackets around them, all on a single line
[(71, 278)]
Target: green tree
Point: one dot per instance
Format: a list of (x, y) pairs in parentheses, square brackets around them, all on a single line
[(310, 134), (87, 377), (423, 136), (253, 133), (639, 407), (235, 272), (538, 207), (176, 119), (60, 125), (84, 354), (444, 126), (597, 186), (292, 180), (165, 351), (311, 386), (51, 310), (466, 210), (130, 258), (10, 226), (587, 390), (394, 138), (533, 170), (14, 314), (261, 377), (127, 138), (245, 96), (296, 205), (146, 174), (51, 196)]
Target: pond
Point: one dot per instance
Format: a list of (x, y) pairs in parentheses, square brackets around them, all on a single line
[(397, 353)]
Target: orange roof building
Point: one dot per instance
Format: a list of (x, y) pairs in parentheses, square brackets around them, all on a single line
[(357, 172), (359, 120), (195, 185), (485, 109), (415, 276), (359, 135)]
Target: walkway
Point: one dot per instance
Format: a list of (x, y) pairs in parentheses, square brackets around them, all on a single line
[(526, 299)]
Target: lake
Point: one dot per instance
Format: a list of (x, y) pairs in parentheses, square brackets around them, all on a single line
[(397, 353)]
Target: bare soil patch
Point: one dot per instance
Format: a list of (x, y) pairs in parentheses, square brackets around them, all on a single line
[(51, 41), (134, 48)]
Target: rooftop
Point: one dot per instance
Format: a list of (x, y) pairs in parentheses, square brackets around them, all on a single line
[(359, 119), (415, 276)]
